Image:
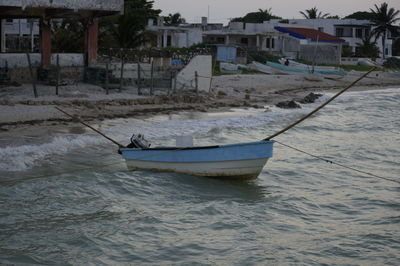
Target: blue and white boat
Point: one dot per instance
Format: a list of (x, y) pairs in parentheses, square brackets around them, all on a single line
[(238, 161), (307, 69)]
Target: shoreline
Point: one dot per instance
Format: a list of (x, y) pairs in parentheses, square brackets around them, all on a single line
[(22, 114)]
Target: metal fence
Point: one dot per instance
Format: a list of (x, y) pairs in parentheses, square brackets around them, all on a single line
[(145, 72), (150, 71)]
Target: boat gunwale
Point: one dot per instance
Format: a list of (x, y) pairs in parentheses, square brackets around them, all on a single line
[(196, 147), (202, 162)]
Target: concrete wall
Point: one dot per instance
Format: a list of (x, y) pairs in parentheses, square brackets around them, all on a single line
[(323, 54), (186, 77), (21, 61)]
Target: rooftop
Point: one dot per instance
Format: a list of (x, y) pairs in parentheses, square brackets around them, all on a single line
[(311, 34)]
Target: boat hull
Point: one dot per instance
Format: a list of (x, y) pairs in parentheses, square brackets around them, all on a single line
[(237, 161), (244, 169)]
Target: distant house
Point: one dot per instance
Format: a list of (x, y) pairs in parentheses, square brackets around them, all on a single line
[(249, 36), (184, 35), (311, 45), (350, 30), (319, 40), (279, 40)]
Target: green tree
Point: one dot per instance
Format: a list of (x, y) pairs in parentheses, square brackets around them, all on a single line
[(65, 30), (313, 13), (368, 48), (333, 17), (257, 17), (174, 19), (384, 18), (127, 30), (362, 15)]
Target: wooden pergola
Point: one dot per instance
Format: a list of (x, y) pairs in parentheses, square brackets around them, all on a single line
[(46, 10)]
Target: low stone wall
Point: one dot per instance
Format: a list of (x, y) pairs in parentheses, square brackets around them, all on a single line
[(68, 75), (20, 60), (72, 66)]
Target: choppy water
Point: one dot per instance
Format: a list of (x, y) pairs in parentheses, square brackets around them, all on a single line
[(70, 199)]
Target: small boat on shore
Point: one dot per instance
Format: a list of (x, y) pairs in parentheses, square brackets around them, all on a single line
[(302, 68), (266, 69), (228, 67), (235, 161)]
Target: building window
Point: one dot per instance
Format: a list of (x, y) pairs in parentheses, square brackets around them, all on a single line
[(359, 33), (339, 32), (244, 41), (169, 40), (244, 25), (321, 29), (220, 40), (344, 32), (270, 43)]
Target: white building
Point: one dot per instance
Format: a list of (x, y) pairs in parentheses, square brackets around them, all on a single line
[(279, 39), (265, 37), (184, 35), (351, 30)]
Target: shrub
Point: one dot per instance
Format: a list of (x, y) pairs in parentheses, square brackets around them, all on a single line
[(392, 62)]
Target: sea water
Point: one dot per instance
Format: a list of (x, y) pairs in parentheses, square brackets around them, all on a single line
[(69, 199)]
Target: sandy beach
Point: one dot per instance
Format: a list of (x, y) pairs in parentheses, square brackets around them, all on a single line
[(21, 113)]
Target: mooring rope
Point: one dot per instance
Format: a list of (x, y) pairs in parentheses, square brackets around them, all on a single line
[(337, 164), (320, 107)]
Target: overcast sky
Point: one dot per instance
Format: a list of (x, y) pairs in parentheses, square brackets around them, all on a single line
[(222, 10)]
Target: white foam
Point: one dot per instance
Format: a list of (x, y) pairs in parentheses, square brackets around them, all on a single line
[(24, 157)]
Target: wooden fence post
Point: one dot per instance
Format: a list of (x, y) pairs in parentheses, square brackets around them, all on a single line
[(121, 79), (32, 77), (106, 82), (58, 73), (152, 77), (196, 80), (175, 75), (138, 80)]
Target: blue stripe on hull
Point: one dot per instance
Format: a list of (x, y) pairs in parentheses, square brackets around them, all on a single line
[(233, 152)]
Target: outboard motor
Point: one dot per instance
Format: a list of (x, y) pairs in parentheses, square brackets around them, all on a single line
[(138, 141)]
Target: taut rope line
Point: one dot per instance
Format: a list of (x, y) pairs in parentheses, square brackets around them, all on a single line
[(338, 164), (320, 107), (92, 128)]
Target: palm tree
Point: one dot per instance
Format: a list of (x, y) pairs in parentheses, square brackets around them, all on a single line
[(384, 18), (127, 30), (267, 11), (368, 47), (258, 16), (313, 13)]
